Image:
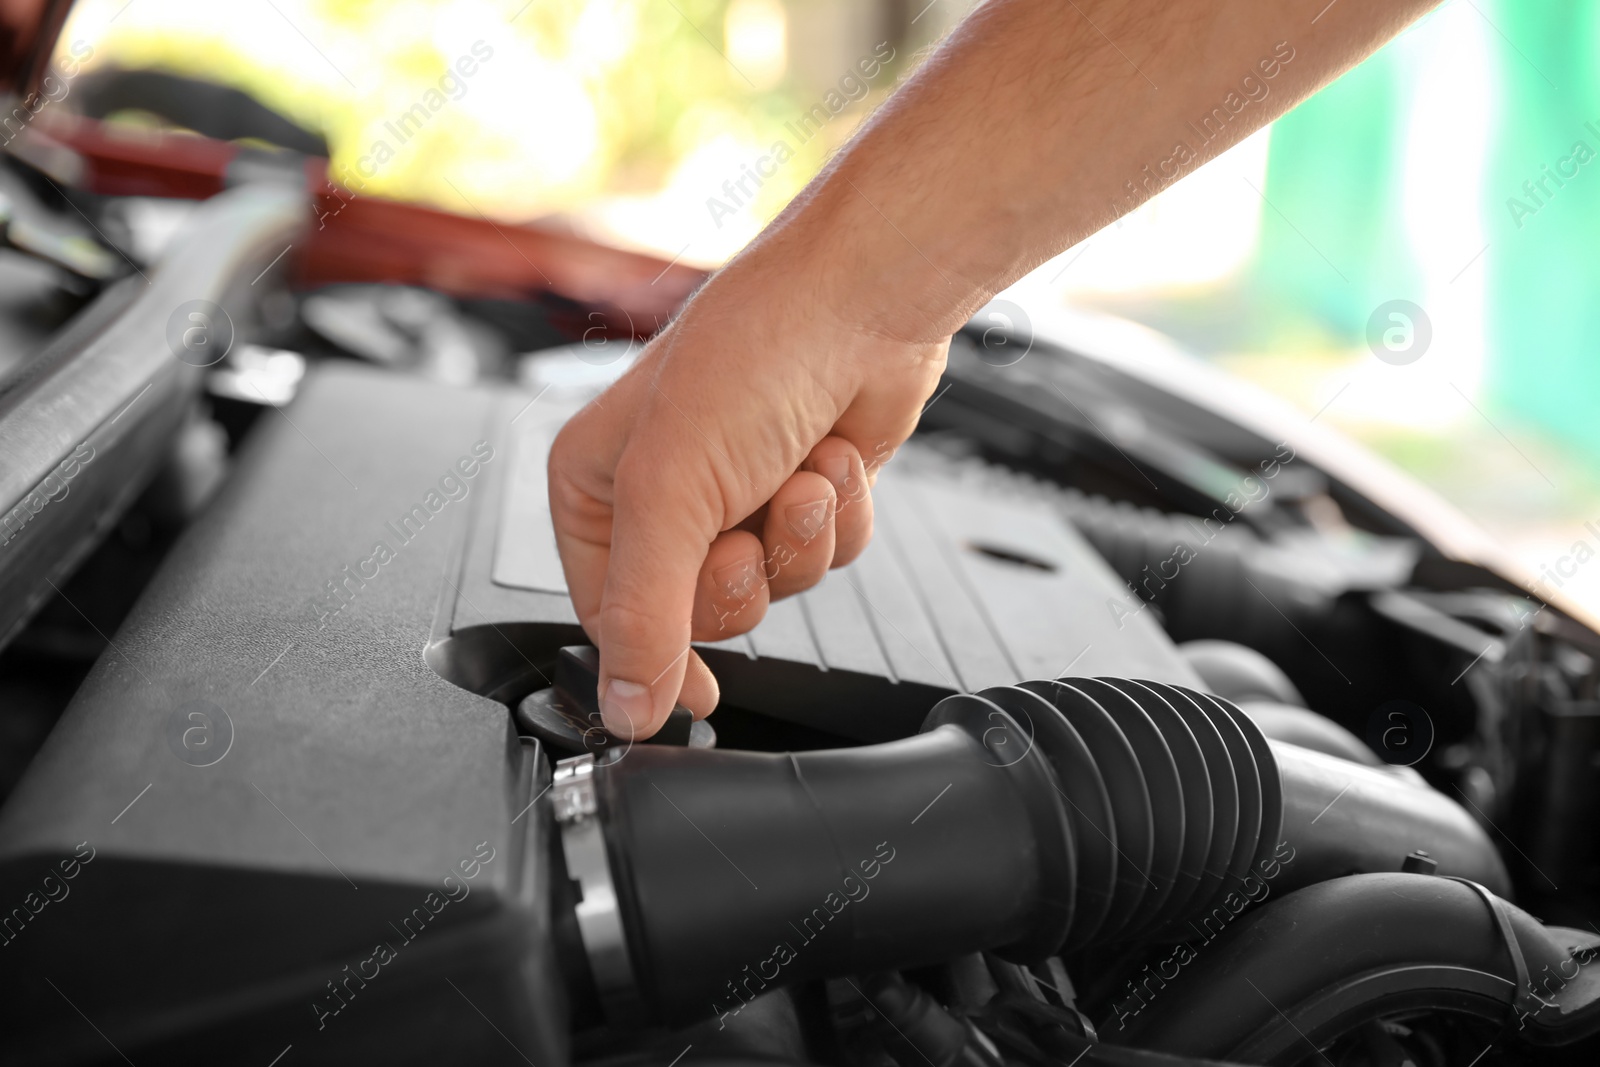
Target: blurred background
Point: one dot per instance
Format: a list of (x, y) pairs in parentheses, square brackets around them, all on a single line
[(1452, 171)]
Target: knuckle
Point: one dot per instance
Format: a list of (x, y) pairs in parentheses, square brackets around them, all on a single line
[(566, 496), (682, 493)]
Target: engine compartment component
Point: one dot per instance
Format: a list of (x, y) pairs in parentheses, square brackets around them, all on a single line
[(565, 718), (76, 444), (310, 801), (1012, 865), (1366, 945)]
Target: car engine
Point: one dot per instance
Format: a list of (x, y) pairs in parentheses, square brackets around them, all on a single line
[(1152, 728)]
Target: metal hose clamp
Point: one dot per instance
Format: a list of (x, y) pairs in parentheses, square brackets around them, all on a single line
[(573, 800)]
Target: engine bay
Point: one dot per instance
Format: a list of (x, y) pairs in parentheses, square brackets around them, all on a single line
[(1138, 735)]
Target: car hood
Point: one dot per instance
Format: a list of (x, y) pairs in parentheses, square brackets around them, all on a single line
[(28, 32)]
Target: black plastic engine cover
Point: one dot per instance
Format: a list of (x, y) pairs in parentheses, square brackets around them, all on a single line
[(287, 762)]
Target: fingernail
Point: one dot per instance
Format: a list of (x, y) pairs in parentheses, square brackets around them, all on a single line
[(807, 520), (626, 708)]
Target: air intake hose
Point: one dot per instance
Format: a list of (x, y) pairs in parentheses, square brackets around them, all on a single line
[(1024, 820), (1297, 972)]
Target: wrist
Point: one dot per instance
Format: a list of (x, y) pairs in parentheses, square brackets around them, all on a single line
[(851, 250)]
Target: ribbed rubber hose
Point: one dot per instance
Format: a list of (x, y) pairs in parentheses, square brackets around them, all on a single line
[(1023, 820)]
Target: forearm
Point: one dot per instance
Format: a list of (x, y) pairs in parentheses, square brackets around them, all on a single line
[(1038, 123), (680, 498)]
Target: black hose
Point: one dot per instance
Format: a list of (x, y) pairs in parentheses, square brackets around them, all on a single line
[(1198, 572), (1296, 973), (1346, 818), (1023, 820), (737, 871)]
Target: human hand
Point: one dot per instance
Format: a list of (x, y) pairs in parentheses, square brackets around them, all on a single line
[(728, 467), (683, 497)]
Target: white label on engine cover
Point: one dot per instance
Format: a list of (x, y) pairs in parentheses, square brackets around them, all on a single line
[(525, 555)]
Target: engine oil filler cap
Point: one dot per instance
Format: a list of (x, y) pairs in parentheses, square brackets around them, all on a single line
[(566, 716)]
